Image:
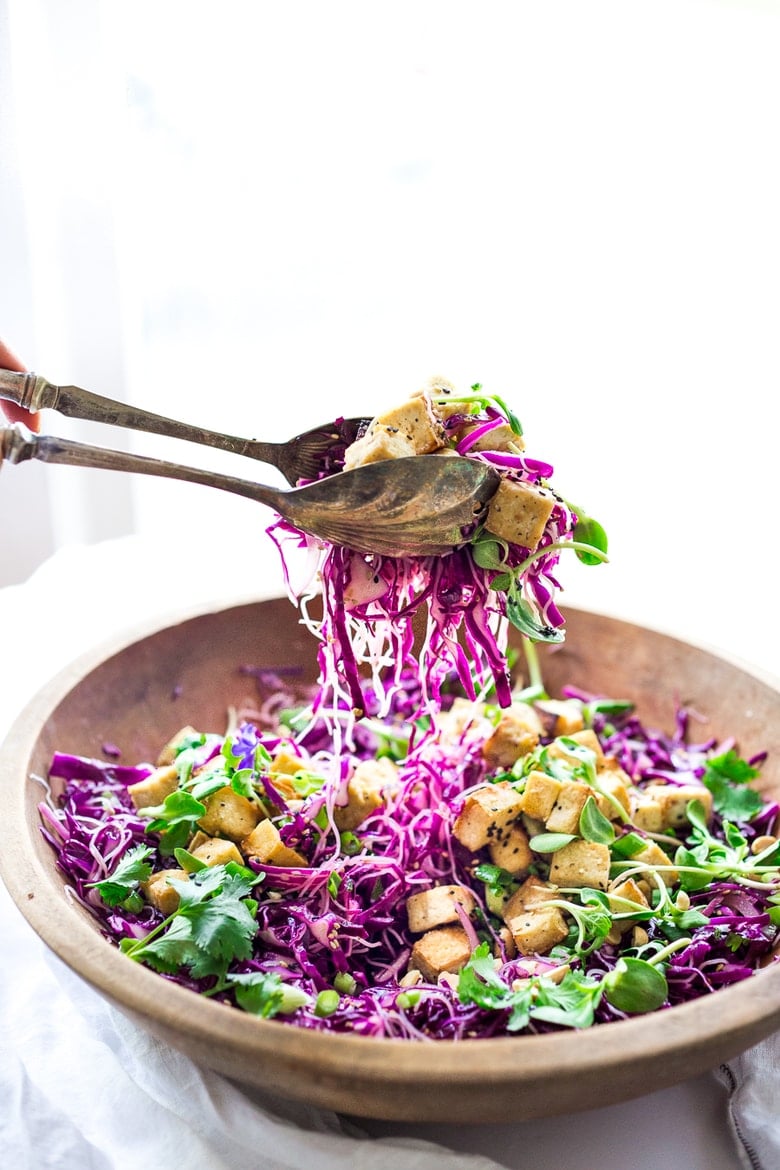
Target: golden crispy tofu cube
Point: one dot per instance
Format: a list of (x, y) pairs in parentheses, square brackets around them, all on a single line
[(363, 798), (531, 894), (673, 800), (408, 429), (153, 790), (518, 513), (228, 814), (381, 774), (160, 894), (376, 447), (627, 890), (516, 733), (615, 790), (436, 387), (538, 930), (198, 838), (444, 949), (500, 438), (647, 814), (540, 794), (284, 765), (653, 855), (565, 814), (462, 718), (217, 851), (171, 749), (585, 738), (287, 762), (364, 792), (437, 906), (566, 715), (485, 812), (581, 864), (265, 844), (510, 850)]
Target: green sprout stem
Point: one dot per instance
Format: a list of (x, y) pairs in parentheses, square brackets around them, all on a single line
[(577, 545), (679, 944)]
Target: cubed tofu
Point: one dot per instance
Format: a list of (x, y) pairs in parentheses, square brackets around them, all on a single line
[(217, 851), (436, 387), (363, 798), (581, 864), (673, 800), (265, 845), (171, 749), (500, 438), (540, 794), (437, 906), (463, 718), (153, 790), (647, 814), (486, 811), (518, 513), (624, 890), (160, 894), (538, 930), (381, 774), (565, 813), (516, 733), (653, 855), (408, 429), (614, 790), (565, 715), (531, 894), (444, 949), (585, 738), (364, 792), (198, 838), (287, 762), (510, 850), (228, 814)]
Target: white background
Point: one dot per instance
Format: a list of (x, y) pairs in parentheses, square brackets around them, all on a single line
[(257, 215)]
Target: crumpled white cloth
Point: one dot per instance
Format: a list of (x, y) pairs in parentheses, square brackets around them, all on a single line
[(752, 1081), (83, 1088)]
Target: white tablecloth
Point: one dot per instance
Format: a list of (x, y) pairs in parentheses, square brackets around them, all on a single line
[(81, 1088)]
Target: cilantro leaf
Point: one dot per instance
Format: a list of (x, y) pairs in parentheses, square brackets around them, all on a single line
[(213, 925), (726, 776), (129, 873)]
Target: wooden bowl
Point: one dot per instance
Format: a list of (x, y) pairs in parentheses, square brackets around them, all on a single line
[(139, 691)]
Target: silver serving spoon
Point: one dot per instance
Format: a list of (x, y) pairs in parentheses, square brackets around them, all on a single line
[(305, 456), (424, 505)]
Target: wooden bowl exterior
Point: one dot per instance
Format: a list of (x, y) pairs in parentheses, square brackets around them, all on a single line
[(140, 690)]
